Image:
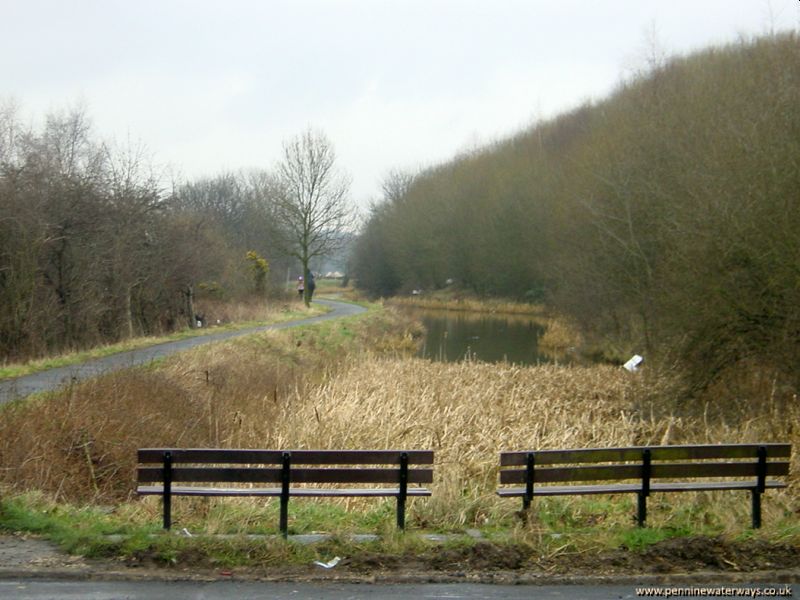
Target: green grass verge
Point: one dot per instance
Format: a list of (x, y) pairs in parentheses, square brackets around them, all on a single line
[(95, 532), (74, 358), (239, 534)]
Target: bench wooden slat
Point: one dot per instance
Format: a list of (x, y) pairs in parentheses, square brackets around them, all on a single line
[(632, 454), (578, 455), (275, 457), (699, 486), (717, 469), (563, 474), (658, 471), (569, 490), (624, 488), (276, 492), (270, 475)]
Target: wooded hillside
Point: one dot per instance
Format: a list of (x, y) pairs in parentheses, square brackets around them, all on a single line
[(663, 219), (96, 246)]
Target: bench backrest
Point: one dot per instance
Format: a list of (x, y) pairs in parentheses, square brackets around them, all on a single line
[(203, 465), (646, 462)]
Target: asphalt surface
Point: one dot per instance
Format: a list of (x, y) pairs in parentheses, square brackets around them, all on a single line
[(183, 590), (37, 590), (19, 387)]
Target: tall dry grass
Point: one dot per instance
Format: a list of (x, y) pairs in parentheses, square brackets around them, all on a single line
[(305, 389), (560, 337), (223, 312), (467, 412), (468, 304), (79, 443)]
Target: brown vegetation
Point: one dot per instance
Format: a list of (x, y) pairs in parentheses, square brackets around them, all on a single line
[(79, 443), (299, 390), (467, 303), (663, 219)]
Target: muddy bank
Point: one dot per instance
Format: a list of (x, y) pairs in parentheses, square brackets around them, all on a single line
[(695, 560), (705, 558), (678, 555)]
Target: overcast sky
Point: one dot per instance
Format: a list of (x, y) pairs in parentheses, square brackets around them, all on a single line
[(212, 85)]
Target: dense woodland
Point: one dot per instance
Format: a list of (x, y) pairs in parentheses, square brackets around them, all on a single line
[(664, 219), (95, 247)]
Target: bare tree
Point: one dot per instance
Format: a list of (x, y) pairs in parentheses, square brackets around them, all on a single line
[(311, 207), (396, 185), (132, 201)]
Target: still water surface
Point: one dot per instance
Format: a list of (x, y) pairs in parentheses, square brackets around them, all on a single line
[(454, 336)]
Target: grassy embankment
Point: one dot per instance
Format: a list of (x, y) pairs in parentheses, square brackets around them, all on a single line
[(347, 384)]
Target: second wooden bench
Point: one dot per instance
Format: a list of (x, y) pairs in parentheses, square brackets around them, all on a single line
[(642, 470)]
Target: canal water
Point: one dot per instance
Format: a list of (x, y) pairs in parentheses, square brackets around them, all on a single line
[(455, 336)]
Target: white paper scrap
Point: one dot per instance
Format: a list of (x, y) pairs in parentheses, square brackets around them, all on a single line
[(328, 565)]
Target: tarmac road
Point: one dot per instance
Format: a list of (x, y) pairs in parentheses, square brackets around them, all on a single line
[(20, 387), (183, 590), (180, 590)]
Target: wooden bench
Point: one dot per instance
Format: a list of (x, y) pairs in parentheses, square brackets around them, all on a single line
[(643, 470), (251, 469)]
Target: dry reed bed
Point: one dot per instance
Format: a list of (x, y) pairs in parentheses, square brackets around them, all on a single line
[(467, 412), (283, 390), (470, 305), (223, 312), (79, 443)]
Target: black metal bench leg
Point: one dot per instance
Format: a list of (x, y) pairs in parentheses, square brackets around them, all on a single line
[(756, 495), (401, 513), (284, 520), (641, 512), (401, 496), (529, 475), (761, 487), (167, 494)]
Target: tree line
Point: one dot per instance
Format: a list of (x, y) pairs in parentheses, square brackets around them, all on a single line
[(663, 219), (95, 247)]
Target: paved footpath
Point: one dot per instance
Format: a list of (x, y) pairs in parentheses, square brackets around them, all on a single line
[(44, 381)]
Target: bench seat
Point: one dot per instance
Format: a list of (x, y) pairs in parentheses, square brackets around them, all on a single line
[(157, 490), (283, 474), (635, 488), (642, 470)]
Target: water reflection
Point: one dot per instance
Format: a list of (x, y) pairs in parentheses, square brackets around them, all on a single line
[(454, 336)]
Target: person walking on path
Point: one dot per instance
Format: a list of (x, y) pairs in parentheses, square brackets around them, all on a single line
[(300, 286), (311, 285)]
